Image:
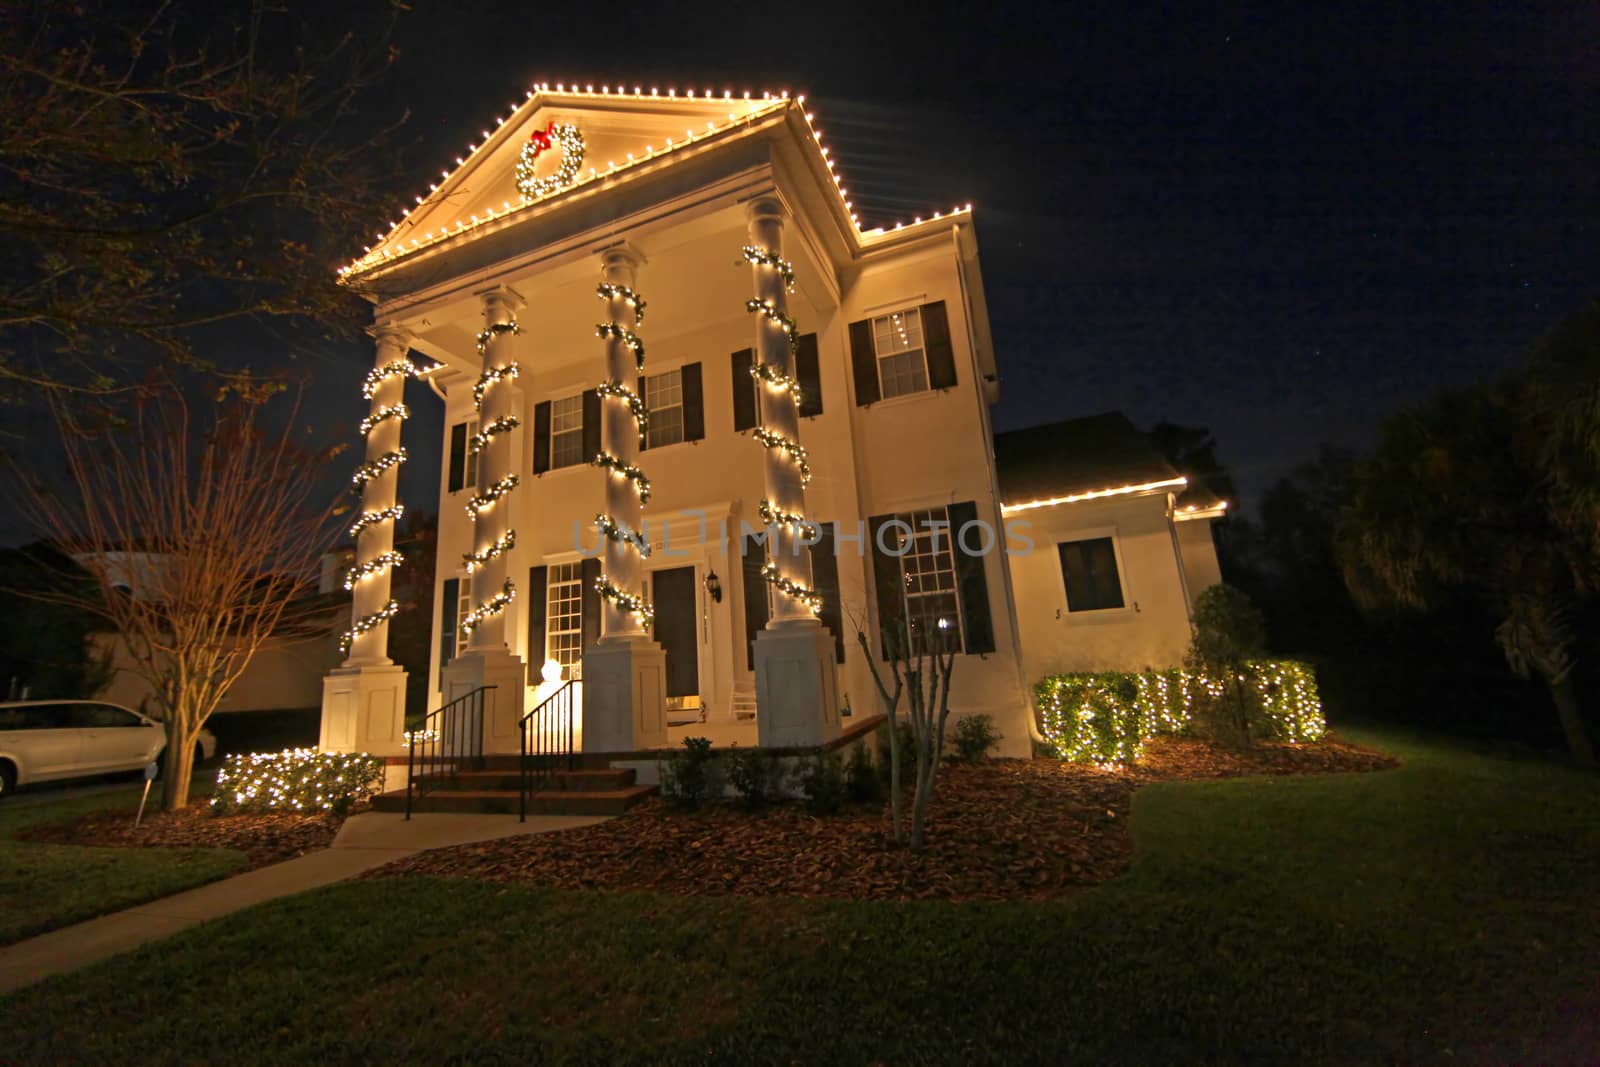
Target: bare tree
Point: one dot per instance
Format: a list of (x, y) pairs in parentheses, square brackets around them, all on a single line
[(920, 660), (168, 170), (203, 537)]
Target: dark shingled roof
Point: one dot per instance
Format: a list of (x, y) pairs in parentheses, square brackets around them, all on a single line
[(1076, 456)]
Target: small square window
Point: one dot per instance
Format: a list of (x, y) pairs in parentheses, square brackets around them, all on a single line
[(566, 432), (663, 399), (902, 362), (1089, 568)]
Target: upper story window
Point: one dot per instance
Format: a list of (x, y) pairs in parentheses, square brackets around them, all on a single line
[(566, 431), (1089, 568), (463, 462), (902, 358), (663, 399)]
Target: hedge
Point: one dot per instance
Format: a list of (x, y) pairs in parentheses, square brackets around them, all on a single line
[(1106, 717), (297, 779)]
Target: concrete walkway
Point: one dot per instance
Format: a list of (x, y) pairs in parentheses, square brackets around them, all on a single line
[(364, 841)]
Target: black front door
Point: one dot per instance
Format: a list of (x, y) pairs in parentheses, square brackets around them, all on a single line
[(673, 597)]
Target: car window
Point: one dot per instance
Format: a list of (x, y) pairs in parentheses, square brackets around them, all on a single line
[(37, 717), (103, 716)]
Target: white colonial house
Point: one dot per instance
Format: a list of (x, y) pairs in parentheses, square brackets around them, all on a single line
[(702, 428)]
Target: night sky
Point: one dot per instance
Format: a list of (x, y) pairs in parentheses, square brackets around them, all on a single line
[(1280, 223)]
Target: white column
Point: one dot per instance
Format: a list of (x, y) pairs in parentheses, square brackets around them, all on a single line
[(493, 535), (786, 466), (379, 478), (363, 700), (797, 690), (624, 676), (620, 428)]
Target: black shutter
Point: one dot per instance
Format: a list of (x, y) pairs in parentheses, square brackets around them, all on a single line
[(458, 456), (591, 424), (808, 371), (936, 339), (744, 390), (972, 588), (864, 362), (694, 405), (755, 595), (825, 579), (541, 437), (589, 601), (447, 620), (536, 609), (888, 587)]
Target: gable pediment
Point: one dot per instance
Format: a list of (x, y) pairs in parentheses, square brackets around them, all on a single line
[(615, 132)]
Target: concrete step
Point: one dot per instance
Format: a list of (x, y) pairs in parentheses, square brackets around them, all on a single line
[(505, 801), (582, 781)]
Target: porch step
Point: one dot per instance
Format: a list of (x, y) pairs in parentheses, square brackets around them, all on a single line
[(505, 801), (585, 780)]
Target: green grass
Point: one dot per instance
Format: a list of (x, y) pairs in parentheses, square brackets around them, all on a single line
[(1445, 911), (43, 886)]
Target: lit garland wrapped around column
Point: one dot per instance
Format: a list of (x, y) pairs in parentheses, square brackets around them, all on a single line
[(376, 480), (492, 534), (788, 467), (627, 489)]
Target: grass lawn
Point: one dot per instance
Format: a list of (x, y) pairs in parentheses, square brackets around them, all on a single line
[(1445, 911), (44, 886)]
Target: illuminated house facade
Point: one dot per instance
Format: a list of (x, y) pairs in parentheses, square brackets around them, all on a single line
[(658, 330)]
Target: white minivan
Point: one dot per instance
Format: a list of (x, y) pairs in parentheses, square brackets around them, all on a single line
[(47, 740)]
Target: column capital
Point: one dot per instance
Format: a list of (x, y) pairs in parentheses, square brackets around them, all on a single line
[(501, 298), (622, 254), (766, 208), (391, 334)]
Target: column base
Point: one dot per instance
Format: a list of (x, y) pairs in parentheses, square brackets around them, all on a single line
[(624, 695), (364, 710), (797, 685), (502, 706)]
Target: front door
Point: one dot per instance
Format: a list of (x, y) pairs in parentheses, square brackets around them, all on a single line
[(673, 597)]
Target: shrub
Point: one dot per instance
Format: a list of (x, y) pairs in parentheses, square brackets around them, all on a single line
[(299, 779), (974, 736), (1106, 717), (861, 778), (1227, 633), (756, 775), (692, 777), (822, 783)]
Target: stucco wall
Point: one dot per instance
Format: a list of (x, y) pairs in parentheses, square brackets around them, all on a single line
[(1199, 548), (1151, 630), (280, 676)]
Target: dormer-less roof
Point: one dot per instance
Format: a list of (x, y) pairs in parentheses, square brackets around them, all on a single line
[(627, 131)]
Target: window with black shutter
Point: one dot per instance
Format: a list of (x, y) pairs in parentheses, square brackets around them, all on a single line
[(449, 598), (744, 390), (458, 457), (929, 582), (808, 372), (1089, 569), (756, 611), (825, 580), (541, 437)]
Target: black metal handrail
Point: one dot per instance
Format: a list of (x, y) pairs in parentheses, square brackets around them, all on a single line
[(546, 742), (450, 738)]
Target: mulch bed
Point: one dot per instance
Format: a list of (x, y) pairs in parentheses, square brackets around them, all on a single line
[(1002, 829), (264, 839)]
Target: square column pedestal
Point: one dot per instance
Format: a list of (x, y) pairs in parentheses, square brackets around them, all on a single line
[(502, 707), (624, 695), (364, 710), (797, 687)]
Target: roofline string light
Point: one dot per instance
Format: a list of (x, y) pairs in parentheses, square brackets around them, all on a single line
[(755, 109), (1097, 494)]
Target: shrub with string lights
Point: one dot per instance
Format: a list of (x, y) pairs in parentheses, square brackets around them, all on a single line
[(299, 779)]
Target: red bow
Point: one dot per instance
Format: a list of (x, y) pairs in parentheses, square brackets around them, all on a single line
[(541, 138)]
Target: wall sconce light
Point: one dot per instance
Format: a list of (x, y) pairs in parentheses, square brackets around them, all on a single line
[(714, 587)]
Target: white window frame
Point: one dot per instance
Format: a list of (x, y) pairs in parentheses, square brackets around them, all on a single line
[(463, 608), (880, 357), (1090, 615), (936, 542), (556, 461), (558, 578), (469, 468), (657, 422)]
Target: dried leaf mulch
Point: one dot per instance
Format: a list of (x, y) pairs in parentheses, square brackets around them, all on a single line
[(997, 830), (264, 839)]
